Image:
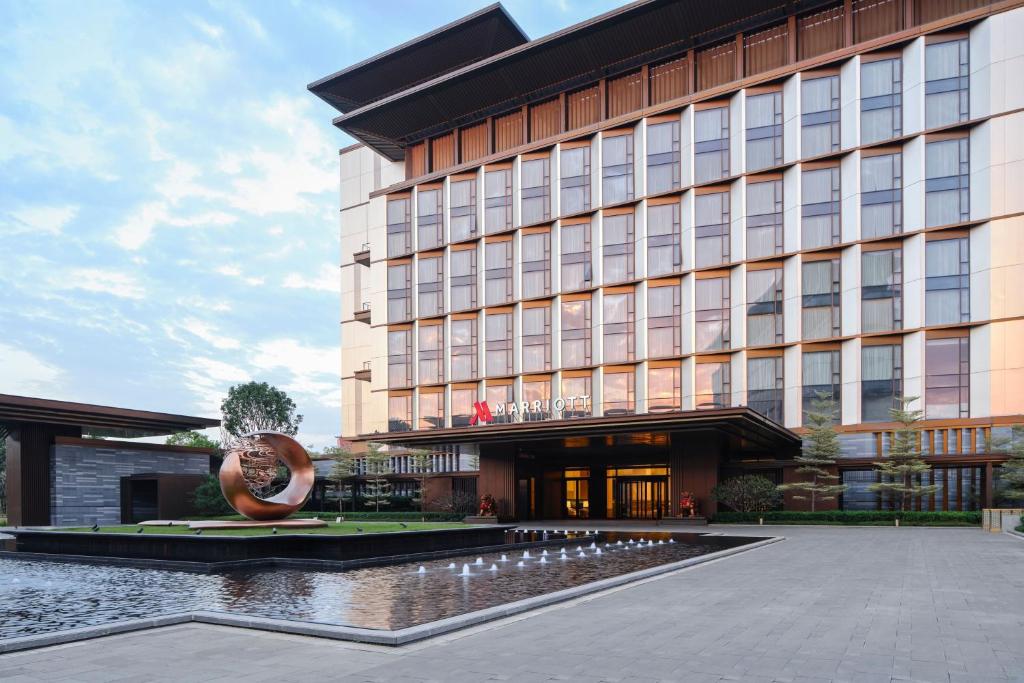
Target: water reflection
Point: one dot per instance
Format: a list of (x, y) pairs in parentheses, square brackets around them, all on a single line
[(40, 597)]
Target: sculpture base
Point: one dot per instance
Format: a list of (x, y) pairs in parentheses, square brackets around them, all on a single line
[(257, 524)]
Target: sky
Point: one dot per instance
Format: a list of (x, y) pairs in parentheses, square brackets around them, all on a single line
[(169, 194)]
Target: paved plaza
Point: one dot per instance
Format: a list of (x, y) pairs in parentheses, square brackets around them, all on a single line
[(827, 604)]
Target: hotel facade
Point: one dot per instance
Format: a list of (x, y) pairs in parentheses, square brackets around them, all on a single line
[(618, 262)]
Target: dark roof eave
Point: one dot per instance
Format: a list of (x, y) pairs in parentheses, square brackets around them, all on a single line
[(30, 410)]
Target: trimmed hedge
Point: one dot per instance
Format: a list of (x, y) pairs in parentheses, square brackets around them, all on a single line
[(1021, 528), (853, 518), (393, 516)]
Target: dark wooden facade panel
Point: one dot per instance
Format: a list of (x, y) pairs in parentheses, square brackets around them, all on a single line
[(766, 50), (442, 152), (930, 10), (625, 94), (669, 81), (473, 142), (498, 478), (820, 32), (876, 18), (508, 131), (716, 65), (544, 121), (584, 107), (416, 160)]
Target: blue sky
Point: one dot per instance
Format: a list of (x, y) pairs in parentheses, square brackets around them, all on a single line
[(168, 194)]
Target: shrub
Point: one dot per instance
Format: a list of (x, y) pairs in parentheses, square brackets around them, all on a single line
[(853, 518), (207, 499), (749, 493)]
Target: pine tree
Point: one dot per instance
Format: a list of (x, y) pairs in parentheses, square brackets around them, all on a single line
[(422, 465), (1011, 474), (901, 471), (342, 473), (378, 487), (820, 451)]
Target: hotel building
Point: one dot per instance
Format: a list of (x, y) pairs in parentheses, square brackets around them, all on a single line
[(618, 262)]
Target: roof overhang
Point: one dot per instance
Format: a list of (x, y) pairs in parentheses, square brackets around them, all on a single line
[(477, 36), (742, 423), (617, 41), (96, 420)]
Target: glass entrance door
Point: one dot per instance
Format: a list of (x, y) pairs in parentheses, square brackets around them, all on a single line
[(641, 497)]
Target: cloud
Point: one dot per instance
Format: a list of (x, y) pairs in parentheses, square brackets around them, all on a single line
[(24, 373), (209, 334), (40, 219), (209, 379), (209, 30), (314, 370), (102, 281), (233, 270), (326, 279)]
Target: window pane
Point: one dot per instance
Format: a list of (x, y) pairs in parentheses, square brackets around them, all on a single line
[(947, 285), (617, 169), (820, 207), (712, 314), (881, 195), (881, 100), (575, 180), (764, 219), (711, 144), (819, 98), (712, 229), (881, 381), (764, 130), (663, 157)]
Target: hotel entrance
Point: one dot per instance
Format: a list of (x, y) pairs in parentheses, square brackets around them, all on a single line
[(638, 493)]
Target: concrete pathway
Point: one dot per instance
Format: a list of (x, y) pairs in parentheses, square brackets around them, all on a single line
[(828, 604)]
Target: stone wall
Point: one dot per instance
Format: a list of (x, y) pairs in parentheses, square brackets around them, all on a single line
[(85, 479)]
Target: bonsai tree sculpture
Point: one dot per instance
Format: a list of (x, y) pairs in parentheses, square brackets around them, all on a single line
[(487, 506)]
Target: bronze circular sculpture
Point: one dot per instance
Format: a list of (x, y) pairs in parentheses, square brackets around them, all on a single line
[(252, 461)]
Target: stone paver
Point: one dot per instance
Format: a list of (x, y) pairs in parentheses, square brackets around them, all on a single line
[(828, 604)]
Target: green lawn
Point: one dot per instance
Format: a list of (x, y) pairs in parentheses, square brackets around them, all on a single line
[(332, 529)]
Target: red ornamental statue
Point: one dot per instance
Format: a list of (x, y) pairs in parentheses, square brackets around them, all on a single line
[(687, 504), (487, 506)]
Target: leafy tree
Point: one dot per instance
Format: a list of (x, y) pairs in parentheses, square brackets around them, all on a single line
[(378, 487), (208, 498), (821, 451), (257, 406), (421, 462), (901, 471), (1011, 474), (192, 439), (748, 493)]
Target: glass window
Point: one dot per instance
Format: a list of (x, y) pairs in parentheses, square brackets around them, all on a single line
[(663, 321), (618, 248), (399, 227), (881, 195), (663, 157), (464, 351), (821, 376), (617, 169), (881, 380), (947, 83), (619, 324), (711, 144), (499, 394), (764, 307), (858, 494), (536, 264), (430, 283), (536, 176), (576, 393), (498, 274), (713, 386), (948, 182), (462, 406), (432, 410), (576, 267), (463, 279), (537, 394), (498, 200), (819, 121), (948, 281), (881, 291), (619, 393), (399, 413), (765, 386), (711, 327), (663, 393), (764, 130), (499, 344), (399, 292), (881, 100), (575, 183), (429, 219), (764, 218), (576, 333), (663, 237), (431, 354), (947, 378), (537, 339), (463, 221), (820, 207), (821, 296), (399, 358), (711, 213)]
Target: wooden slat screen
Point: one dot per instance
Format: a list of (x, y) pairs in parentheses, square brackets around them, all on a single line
[(416, 160), (544, 120), (668, 81), (819, 32), (765, 50), (442, 152), (508, 131), (930, 10), (716, 65), (874, 18), (625, 94), (473, 142), (584, 107)]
